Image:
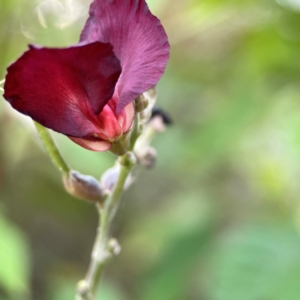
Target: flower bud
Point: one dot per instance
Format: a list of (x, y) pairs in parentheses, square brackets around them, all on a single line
[(128, 160), (121, 146), (110, 178), (141, 103), (150, 96), (147, 157), (84, 187), (114, 247), (157, 124), (83, 289), (166, 118)]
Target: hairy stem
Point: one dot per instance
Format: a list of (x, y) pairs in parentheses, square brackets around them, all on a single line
[(52, 149), (104, 249)]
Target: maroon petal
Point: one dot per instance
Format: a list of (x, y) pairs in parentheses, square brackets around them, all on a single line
[(139, 41), (59, 87)]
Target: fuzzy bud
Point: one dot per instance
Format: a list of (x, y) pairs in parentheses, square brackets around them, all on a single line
[(110, 178), (83, 290), (141, 103), (84, 187), (114, 247), (150, 96), (147, 157)]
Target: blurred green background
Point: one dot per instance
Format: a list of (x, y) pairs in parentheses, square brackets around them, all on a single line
[(219, 217)]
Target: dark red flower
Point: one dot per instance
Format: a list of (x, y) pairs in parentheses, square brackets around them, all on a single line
[(86, 91)]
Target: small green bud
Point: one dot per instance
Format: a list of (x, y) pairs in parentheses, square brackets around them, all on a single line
[(128, 160), (121, 146)]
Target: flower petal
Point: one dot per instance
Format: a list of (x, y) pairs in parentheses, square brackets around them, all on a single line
[(92, 144), (125, 118), (139, 41), (62, 88), (111, 127)]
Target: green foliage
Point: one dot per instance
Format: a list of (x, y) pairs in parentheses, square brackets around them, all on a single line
[(15, 262), (258, 262)]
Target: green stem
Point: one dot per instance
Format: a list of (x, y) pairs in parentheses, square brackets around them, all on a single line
[(52, 149), (102, 251), (136, 131)]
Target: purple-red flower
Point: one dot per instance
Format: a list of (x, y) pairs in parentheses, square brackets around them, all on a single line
[(86, 91)]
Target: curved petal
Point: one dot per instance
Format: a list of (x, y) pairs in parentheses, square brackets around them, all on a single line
[(92, 144), (139, 41), (109, 123), (125, 118), (60, 88)]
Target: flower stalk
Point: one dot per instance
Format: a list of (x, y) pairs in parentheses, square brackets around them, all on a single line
[(136, 131), (52, 149), (105, 247)]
